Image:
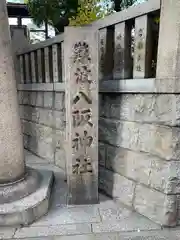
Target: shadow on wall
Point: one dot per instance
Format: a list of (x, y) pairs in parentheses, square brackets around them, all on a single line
[(109, 138)]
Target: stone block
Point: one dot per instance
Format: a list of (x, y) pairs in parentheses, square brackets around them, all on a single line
[(159, 140), (40, 99), (41, 148), (46, 117), (102, 153), (48, 99), (144, 168), (20, 97), (25, 140), (26, 98), (81, 75), (59, 139), (134, 165), (29, 113), (159, 207), (117, 186), (59, 101), (33, 97), (149, 108), (59, 118), (7, 233), (40, 132), (60, 158)]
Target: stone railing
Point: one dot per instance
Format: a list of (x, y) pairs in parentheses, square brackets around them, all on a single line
[(41, 64), (127, 50)]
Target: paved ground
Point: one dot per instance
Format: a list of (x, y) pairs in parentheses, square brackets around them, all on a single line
[(107, 220)]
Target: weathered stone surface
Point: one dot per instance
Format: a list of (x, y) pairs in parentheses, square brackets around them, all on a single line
[(19, 190), (117, 186), (102, 153), (159, 207), (26, 98), (38, 131), (25, 140), (12, 167), (144, 168), (29, 208), (40, 99), (46, 117), (29, 113), (48, 99), (71, 229), (60, 158), (32, 98), (81, 75), (59, 101), (150, 108), (59, 118), (41, 148), (158, 140), (130, 164)]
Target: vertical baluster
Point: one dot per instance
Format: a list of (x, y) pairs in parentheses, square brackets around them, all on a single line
[(55, 63), (46, 62), (143, 48), (21, 68), (105, 53), (122, 51), (39, 62), (33, 67), (27, 68), (62, 61)]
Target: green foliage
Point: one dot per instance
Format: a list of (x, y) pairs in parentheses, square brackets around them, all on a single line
[(54, 12), (122, 4), (88, 11)]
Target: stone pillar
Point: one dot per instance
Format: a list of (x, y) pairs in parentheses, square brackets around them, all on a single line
[(12, 166), (168, 61), (24, 192), (81, 76), (19, 37)]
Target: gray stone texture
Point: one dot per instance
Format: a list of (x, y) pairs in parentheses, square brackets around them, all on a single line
[(81, 81), (11, 151), (158, 140), (43, 124), (144, 108), (28, 209)]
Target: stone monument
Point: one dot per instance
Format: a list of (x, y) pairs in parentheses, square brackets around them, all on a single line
[(81, 81), (24, 192)]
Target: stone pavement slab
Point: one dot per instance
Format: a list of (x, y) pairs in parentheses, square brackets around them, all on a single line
[(107, 220), (6, 232), (72, 215), (44, 231)]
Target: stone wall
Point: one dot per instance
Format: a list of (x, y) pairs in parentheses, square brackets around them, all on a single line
[(43, 122), (139, 151)]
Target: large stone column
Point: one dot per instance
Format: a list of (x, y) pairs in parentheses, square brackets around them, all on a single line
[(12, 166), (24, 192)]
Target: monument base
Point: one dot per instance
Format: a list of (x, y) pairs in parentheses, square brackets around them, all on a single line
[(29, 208)]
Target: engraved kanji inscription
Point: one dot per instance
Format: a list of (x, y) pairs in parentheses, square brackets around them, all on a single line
[(82, 165), (81, 53), (82, 117), (82, 142), (85, 96), (83, 75)]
